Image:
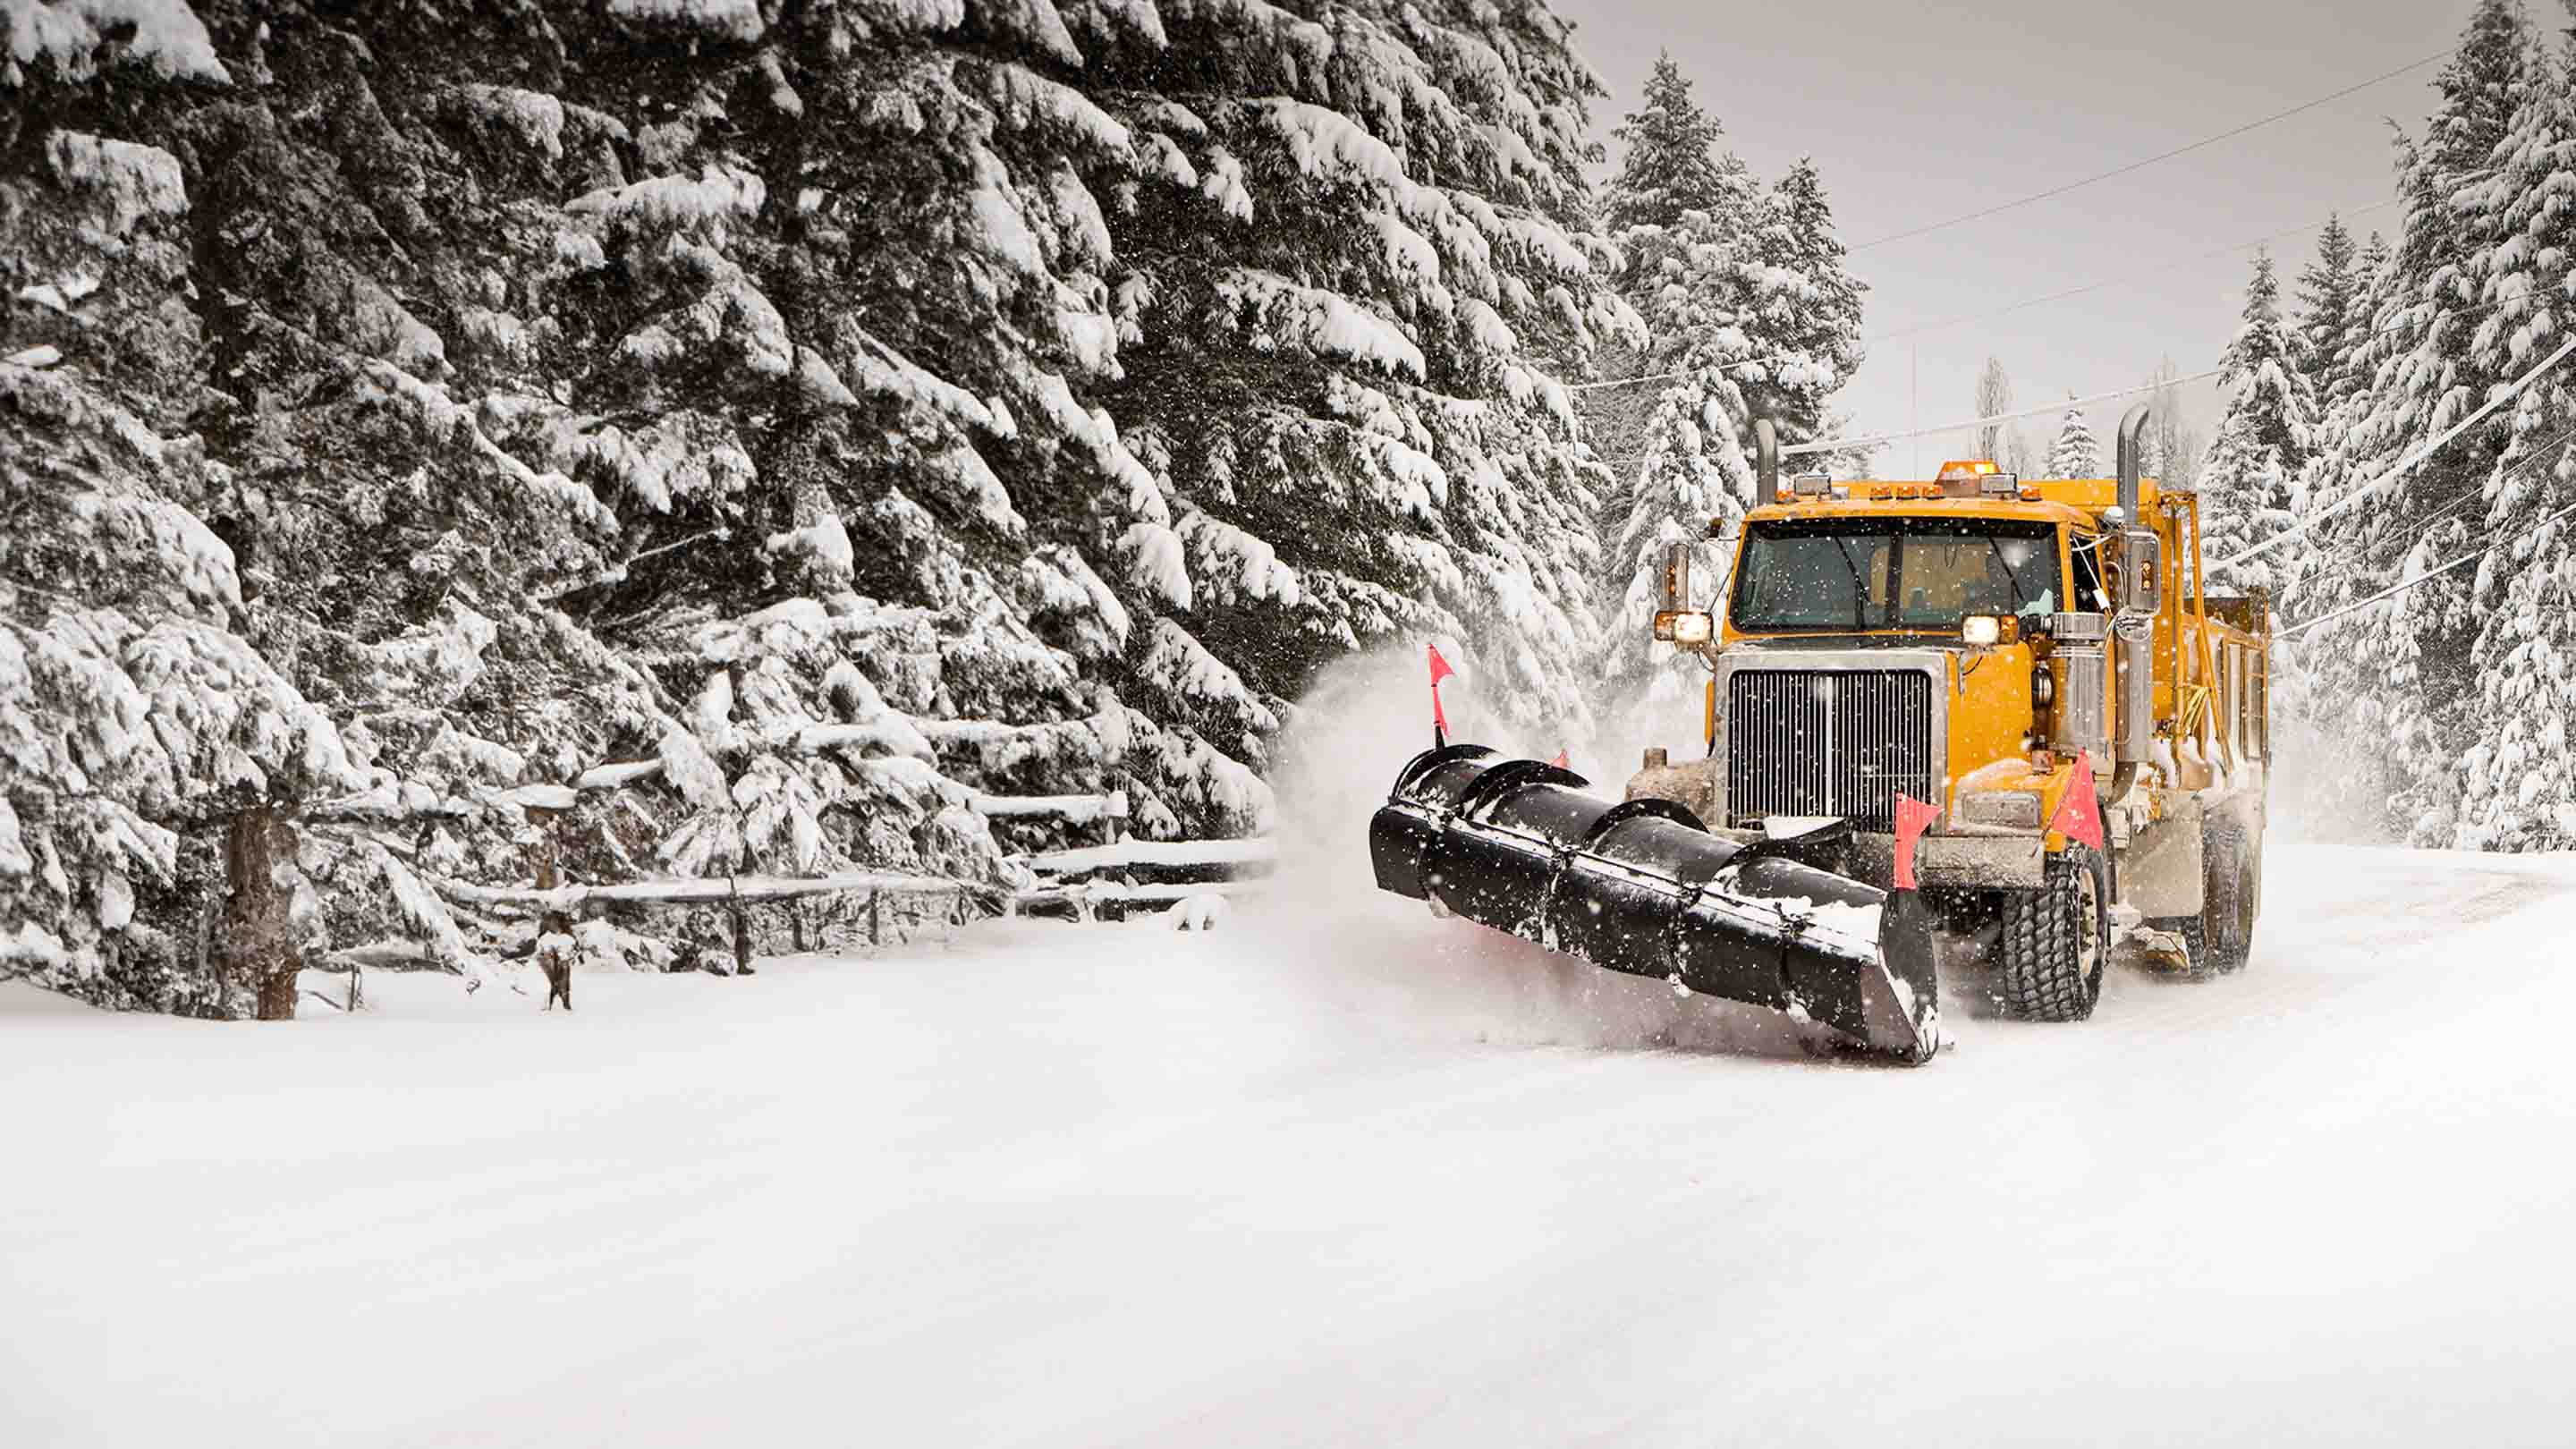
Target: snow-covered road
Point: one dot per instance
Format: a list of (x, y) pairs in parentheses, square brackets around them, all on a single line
[(1336, 1173)]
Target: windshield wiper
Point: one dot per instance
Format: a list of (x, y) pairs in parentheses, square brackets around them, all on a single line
[(2009, 581), (1859, 589)]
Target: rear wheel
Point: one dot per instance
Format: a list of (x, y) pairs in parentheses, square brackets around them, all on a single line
[(2231, 889), (2055, 940), (2234, 889)]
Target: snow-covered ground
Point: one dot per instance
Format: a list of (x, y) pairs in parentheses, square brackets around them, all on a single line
[(1335, 1173)]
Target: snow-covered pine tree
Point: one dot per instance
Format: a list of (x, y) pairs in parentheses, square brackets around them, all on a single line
[(1674, 167), (1727, 276), (1676, 162), (2076, 453), (683, 492), (1343, 378), (1800, 308), (1694, 469), (1710, 261), (2401, 678), (2331, 320), (138, 719), (2247, 482), (2518, 787), (2331, 463)]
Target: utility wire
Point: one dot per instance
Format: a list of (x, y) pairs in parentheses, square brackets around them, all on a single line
[(2344, 566), (2429, 574), (2403, 464), (2403, 324), (1836, 445), (2091, 287), (2006, 310), (2139, 165)]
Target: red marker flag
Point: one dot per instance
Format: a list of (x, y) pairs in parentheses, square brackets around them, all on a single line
[(1560, 761), (1440, 670), (2079, 814), (1912, 818)]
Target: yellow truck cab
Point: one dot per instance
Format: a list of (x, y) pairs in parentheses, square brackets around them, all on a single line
[(2037, 664)]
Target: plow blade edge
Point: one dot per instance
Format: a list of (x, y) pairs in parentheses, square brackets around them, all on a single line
[(1644, 888)]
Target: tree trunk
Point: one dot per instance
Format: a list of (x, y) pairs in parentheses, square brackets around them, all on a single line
[(258, 947), (556, 965)]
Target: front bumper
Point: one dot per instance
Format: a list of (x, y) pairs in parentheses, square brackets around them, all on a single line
[(1947, 862)]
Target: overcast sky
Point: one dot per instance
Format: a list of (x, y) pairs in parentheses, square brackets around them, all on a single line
[(1916, 111)]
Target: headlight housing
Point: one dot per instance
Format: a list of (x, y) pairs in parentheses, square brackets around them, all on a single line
[(1981, 630), (1685, 626), (2012, 809)]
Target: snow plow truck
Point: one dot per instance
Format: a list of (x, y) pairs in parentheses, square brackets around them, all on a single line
[(1984, 719)]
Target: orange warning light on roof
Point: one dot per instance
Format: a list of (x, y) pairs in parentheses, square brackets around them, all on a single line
[(1960, 471)]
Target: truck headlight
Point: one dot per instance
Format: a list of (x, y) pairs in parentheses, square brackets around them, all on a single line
[(2014, 809), (1981, 629), (1693, 628)]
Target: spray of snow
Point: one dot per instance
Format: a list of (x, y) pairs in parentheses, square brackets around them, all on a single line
[(1379, 964)]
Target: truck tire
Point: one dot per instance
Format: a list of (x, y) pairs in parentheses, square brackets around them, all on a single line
[(2232, 889), (2195, 941), (2056, 939)]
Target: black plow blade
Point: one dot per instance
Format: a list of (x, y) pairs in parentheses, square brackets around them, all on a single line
[(1643, 888)]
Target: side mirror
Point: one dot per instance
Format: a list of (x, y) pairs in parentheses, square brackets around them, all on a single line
[(2142, 573), (1676, 592)]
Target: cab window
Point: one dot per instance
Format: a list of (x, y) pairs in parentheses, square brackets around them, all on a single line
[(1896, 573)]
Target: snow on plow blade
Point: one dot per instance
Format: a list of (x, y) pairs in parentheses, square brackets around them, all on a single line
[(1644, 888)]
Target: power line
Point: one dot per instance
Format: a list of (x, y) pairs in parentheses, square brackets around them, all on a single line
[(2429, 574), (2139, 165), (2402, 325), (2344, 567), (1836, 445), (2006, 310), (2108, 283), (2403, 464)]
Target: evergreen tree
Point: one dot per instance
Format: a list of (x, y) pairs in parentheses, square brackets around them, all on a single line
[(750, 439), (2246, 484), (1693, 476), (2330, 312), (2402, 677), (2518, 789), (1675, 163), (2075, 454), (1801, 308), (1747, 293)]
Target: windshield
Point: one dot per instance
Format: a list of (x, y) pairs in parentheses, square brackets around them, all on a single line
[(1895, 573)]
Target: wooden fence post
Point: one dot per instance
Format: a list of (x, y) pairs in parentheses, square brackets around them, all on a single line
[(555, 962)]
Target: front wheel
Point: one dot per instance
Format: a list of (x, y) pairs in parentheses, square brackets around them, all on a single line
[(2056, 939)]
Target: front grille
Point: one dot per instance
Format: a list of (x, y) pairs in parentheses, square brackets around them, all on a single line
[(1828, 742)]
